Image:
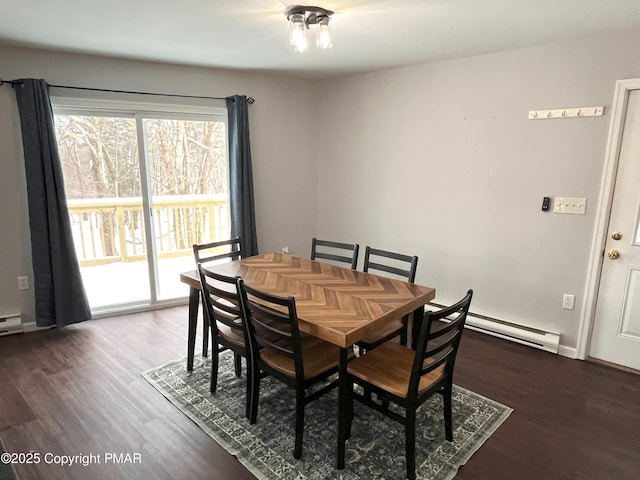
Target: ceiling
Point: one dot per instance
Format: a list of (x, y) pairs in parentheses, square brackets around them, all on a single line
[(368, 35)]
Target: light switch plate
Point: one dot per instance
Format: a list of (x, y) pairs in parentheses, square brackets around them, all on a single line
[(574, 206)]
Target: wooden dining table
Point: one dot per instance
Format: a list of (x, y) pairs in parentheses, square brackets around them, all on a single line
[(336, 304)]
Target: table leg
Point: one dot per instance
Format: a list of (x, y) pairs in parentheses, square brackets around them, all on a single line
[(343, 406), (418, 315), (194, 301)]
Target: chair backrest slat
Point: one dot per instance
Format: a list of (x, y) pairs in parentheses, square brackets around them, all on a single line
[(438, 342), (221, 300), (352, 248), (271, 328), (217, 251), (374, 256), (272, 322), (389, 269)]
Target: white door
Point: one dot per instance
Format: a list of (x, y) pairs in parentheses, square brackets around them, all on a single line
[(616, 330)]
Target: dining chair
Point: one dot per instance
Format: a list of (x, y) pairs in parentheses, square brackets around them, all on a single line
[(214, 252), (281, 351), (217, 251), (228, 330), (401, 266), (398, 374), (335, 251)]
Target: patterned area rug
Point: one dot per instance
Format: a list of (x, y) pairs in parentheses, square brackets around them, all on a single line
[(374, 451)]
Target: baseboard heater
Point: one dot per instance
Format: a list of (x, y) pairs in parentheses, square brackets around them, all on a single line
[(532, 337), (10, 324)]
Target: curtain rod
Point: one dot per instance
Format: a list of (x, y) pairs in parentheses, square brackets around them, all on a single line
[(13, 83)]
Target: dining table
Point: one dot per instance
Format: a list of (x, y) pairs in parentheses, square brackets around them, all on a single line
[(336, 304)]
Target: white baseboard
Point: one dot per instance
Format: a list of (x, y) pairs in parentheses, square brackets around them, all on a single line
[(32, 327), (569, 352), (10, 324)]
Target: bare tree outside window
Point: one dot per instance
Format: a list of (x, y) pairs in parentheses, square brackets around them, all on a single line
[(188, 184)]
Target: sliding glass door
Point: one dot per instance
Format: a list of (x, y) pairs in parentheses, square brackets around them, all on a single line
[(187, 166), (142, 188)]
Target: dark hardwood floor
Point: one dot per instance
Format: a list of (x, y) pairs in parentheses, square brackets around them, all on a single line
[(78, 391)]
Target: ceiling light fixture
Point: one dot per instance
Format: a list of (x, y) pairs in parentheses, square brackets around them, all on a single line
[(300, 17)]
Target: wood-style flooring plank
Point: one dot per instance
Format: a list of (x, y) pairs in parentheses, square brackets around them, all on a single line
[(571, 419), (83, 393), (78, 390)]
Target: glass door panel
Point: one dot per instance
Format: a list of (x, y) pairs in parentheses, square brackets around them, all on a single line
[(101, 170), (142, 188), (187, 164)]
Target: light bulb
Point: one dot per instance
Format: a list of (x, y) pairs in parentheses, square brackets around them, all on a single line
[(323, 39), (298, 32)]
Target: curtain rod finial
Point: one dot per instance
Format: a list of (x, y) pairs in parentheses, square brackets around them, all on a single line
[(13, 83), (250, 100)]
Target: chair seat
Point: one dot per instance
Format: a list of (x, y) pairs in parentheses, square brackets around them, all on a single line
[(388, 329), (231, 334), (318, 357), (389, 368)]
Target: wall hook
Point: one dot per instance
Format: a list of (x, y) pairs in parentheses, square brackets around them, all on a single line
[(562, 113)]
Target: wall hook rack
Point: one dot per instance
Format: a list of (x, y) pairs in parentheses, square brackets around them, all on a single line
[(566, 113)]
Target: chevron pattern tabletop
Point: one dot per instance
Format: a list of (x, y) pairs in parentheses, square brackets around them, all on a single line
[(336, 304)]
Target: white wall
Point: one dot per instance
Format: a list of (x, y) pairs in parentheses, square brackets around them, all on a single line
[(441, 161), (437, 160), (282, 124)]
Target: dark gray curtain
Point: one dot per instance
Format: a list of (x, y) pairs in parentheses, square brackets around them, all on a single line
[(243, 219), (59, 292)]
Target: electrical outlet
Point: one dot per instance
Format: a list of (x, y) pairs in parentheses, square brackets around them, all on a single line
[(568, 301), (23, 283)]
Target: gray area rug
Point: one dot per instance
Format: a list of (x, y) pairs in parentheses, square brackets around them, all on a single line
[(6, 467), (374, 451)]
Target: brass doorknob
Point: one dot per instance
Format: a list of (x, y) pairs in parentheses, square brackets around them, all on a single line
[(616, 235), (613, 254)]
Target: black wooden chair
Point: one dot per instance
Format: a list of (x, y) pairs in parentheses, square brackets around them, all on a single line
[(211, 253), (402, 266), (217, 251), (335, 251), (398, 374), (228, 330), (278, 349)]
